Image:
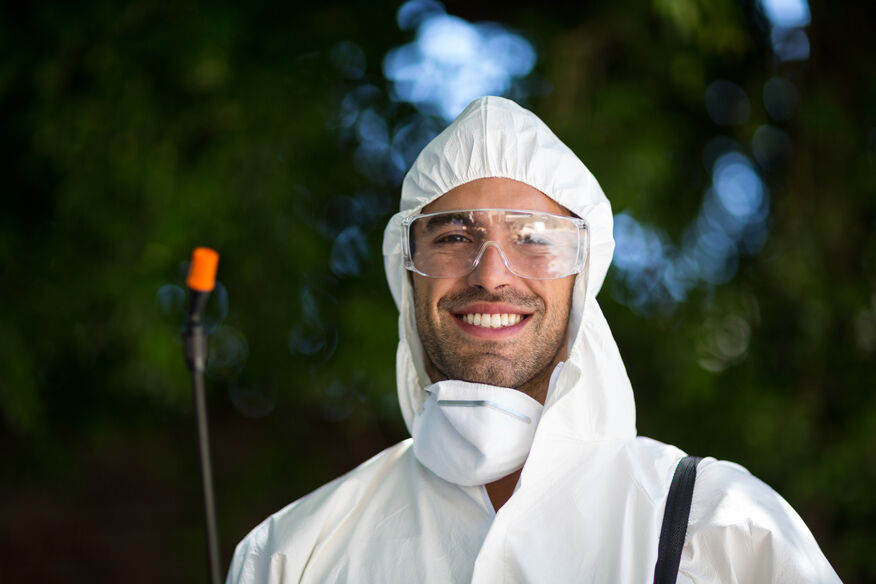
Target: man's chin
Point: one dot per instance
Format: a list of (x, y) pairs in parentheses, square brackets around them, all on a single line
[(497, 373)]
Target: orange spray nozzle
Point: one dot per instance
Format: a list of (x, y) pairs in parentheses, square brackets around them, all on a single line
[(202, 272)]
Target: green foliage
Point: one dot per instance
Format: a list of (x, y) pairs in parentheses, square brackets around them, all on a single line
[(132, 133)]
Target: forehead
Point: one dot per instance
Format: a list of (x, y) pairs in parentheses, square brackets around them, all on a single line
[(495, 193)]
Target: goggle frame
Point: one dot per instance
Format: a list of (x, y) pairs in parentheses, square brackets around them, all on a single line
[(582, 252)]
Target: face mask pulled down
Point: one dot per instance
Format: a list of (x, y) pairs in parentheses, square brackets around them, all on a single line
[(472, 434)]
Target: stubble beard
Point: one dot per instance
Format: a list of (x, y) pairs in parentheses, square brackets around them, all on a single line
[(516, 363)]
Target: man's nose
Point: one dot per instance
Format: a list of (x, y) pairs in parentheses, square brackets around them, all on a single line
[(491, 272)]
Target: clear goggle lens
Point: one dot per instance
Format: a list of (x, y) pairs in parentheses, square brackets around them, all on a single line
[(450, 244)]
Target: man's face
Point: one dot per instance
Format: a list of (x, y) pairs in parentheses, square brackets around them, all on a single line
[(521, 355)]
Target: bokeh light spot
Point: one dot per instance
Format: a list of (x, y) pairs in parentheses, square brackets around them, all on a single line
[(786, 13), (171, 299), (780, 98), (349, 252), (787, 19), (412, 13), (737, 186), (790, 44), (252, 402), (349, 59), (217, 308), (770, 146), (228, 352), (727, 103), (452, 61), (657, 275)]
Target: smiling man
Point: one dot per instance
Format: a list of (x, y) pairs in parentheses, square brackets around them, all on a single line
[(487, 321), (524, 464)]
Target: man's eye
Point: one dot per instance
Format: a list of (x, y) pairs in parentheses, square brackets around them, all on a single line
[(452, 238)]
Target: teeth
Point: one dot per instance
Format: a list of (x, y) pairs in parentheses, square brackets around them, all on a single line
[(492, 320)]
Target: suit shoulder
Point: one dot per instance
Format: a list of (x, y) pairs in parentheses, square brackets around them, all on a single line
[(741, 526)]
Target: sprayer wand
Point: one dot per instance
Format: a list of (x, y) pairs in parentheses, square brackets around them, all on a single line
[(201, 280)]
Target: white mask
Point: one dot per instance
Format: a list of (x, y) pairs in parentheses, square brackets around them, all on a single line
[(472, 434)]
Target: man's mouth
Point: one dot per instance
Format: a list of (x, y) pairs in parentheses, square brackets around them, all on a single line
[(490, 318), (485, 320)]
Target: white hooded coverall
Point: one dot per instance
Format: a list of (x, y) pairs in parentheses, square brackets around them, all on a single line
[(590, 500)]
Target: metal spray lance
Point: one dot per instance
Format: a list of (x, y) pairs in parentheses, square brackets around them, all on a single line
[(200, 281)]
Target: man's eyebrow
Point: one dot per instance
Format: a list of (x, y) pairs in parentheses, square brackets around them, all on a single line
[(449, 218)]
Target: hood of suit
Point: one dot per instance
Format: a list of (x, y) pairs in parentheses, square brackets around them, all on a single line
[(496, 138)]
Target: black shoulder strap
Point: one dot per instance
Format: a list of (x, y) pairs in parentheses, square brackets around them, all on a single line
[(675, 520)]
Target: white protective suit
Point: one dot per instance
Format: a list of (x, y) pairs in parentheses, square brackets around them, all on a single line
[(590, 500)]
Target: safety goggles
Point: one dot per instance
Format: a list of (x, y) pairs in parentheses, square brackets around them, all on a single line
[(534, 245)]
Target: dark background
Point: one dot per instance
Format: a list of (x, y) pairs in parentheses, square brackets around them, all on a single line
[(132, 132)]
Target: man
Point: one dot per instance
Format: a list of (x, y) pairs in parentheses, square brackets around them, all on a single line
[(524, 464)]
